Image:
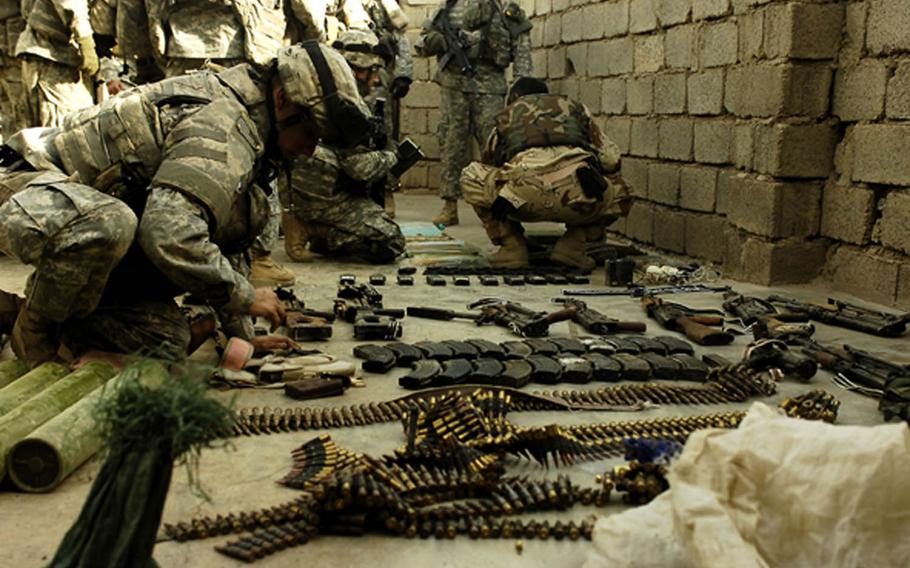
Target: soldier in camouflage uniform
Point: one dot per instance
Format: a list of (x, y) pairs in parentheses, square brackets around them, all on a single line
[(11, 100), (330, 191), (59, 59), (140, 199), (492, 37), (546, 160)]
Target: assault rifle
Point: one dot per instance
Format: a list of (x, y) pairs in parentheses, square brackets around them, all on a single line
[(693, 323), (765, 320), (522, 321), (302, 323), (361, 305), (456, 43), (850, 316), (638, 291), (598, 323)]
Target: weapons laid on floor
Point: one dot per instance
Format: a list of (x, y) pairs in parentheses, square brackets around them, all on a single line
[(641, 291), (302, 323), (522, 321), (850, 316), (361, 305), (774, 354), (765, 320), (598, 323), (693, 323)]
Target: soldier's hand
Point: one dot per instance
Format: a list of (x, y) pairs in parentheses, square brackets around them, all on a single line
[(268, 305), (115, 86), (273, 343), (90, 63)]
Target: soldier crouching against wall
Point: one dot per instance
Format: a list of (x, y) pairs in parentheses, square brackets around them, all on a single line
[(331, 202), (138, 200), (546, 160)]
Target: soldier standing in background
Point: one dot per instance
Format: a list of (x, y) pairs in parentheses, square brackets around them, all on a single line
[(474, 42), (59, 62), (546, 160), (11, 101)]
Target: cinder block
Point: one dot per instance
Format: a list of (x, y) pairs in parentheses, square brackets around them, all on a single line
[(777, 90), (572, 26), (434, 175), (854, 41), (613, 100), (859, 91), (718, 45), (762, 261), (422, 95), (413, 121), (903, 285), (706, 92), (704, 236), (616, 18), (880, 154), (644, 137), (611, 57), (743, 144), (864, 273), (751, 34), (795, 150), (774, 209), (670, 93), (809, 90), (429, 143), (649, 53), (552, 30), (675, 139), (590, 93), (669, 229), (680, 46), (635, 172), (803, 31), (593, 21), (640, 222), (672, 12), (415, 177), (577, 58), (702, 9), (640, 94), (663, 183), (697, 188), (713, 140), (422, 69), (898, 105), (642, 16), (537, 33), (894, 227), (569, 87), (847, 213), (888, 26), (556, 63), (725, 190), (539, 61), (561, 5)]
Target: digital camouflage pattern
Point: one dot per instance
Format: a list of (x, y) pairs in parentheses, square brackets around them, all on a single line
[(12, 111), (51, 91), (51, 29)]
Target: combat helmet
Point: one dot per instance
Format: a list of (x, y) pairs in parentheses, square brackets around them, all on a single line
[(361, 48), (318, 78)]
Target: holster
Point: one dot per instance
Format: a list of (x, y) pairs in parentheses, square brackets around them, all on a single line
[(308, 389)]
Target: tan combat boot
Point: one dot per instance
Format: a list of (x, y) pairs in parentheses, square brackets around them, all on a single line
[(449, 214), (34, 339), (296, 239), (265, 271), (389, 205), (570, 248), (513, 249)]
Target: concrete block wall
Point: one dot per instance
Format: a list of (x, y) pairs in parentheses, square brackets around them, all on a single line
[(771, 136)]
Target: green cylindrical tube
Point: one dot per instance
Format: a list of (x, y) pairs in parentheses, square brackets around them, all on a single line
[(47, 456), (30, 384), (11, 370), (50, 402)]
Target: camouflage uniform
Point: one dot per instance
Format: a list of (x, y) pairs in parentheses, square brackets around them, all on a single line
[(11, 98), (329, 196), (53, 82), (469, 104), (532, 161)]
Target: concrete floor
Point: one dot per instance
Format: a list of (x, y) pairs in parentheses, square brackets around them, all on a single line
[(243, 477)]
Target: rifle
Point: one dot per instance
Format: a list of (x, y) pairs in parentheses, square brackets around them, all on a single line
[(771, 354), (765, 320), (361, 305), (693, 323), (522, 321), (302, 323), (641, 291), (598, 323), (850, 316), (456, 43)]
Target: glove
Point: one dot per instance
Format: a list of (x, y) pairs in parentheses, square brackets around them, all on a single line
[(90, 64), (400, 87), (434, 43)]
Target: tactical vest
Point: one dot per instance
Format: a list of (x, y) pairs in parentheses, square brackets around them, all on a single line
[(264, 28), (319, 175), (540, 120), (489, 17)]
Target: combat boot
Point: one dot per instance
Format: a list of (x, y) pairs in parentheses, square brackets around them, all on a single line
[(319, 238), (449, 214), (34, 339), (10, 304), (266, 271), (513, 249), (570, 248), (389, 204), (295, 239)]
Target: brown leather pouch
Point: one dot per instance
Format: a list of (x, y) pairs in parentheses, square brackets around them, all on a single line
[(308, 389)]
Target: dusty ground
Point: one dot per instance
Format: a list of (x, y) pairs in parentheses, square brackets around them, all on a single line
[(243, 477)]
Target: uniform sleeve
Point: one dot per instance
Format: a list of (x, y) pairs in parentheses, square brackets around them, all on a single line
[(608, 154), (521, 57), (355, 16), (368, 166), (404, 61), (75, 14), (311, 15), (174, 234)]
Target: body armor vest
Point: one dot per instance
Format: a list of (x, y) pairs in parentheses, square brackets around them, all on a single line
[(540, 120)]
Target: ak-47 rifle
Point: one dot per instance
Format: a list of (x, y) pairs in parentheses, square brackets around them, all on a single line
[(850, 316), (598, 323), (302, 323), (693, 323), (522, 321), (456, 43), (765, 320)]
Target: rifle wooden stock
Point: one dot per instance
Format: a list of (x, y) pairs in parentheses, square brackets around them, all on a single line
[(702, 334), (561, 315)]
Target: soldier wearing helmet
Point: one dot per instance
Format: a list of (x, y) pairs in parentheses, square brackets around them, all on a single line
[(335, 194), (142, 198)]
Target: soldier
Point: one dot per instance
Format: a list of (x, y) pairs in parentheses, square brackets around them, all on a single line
[(11, 101), (546, 160), (474, 42), (330, 193), (59, 59), (137, 200)]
